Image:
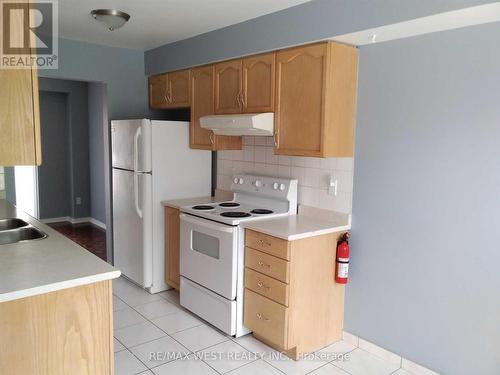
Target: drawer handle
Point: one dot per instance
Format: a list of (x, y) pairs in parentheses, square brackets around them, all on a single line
[(260, 284), (262, 317), (262, 264), (262, 242)]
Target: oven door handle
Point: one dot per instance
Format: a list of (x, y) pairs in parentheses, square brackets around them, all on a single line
[(206, 223)]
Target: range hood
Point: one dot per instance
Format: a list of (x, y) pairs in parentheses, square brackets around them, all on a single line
[(246, 124)]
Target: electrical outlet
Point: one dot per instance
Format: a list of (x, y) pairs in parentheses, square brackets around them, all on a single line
[(332, 186), (78, 201)]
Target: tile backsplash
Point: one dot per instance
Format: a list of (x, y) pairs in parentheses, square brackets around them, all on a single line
[(313, 174)]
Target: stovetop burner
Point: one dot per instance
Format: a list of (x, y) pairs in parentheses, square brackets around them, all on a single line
[(235, 214), (229, 204), (261, 211), (203, 207)]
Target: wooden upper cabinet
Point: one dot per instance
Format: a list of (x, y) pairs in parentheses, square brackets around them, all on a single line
[(202, 104), (228, 87), (259, 83), (170, 90), (316, 100), (20, 142), (158, 87), (178, 89)]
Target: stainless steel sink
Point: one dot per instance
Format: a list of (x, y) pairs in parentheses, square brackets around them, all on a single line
[(21, 235), (6, 224)]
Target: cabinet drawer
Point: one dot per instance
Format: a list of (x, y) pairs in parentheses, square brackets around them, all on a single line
[(266, 318), (268, 244), (266, 286), (267, 264)]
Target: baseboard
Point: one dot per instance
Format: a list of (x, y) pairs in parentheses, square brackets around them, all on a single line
[(97, 223), (56, 220), (72, 220), (405, 364)]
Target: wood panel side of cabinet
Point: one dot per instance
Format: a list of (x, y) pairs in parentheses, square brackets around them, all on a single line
[(341, 94), (64, 332), (316, 300), (172, 247), (20, 143)]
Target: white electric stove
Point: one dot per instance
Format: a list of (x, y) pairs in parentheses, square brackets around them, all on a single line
[(212, 247)]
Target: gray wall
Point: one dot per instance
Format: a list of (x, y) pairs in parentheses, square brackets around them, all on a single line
[(425, 278), (54, 175), (78, 143), (97, 122), (312, 21), (122, 71)]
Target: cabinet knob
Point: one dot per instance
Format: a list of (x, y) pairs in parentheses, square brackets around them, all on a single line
[(260, 284), (262, 317)]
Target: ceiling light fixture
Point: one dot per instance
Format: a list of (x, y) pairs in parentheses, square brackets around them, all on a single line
[(113, 19)]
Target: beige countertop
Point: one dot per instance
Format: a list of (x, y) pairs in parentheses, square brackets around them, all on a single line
[(40, 266), (308, 223)]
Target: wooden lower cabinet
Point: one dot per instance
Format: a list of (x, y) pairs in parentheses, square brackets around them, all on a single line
[(69, 331), (172, 247), (293, 305)]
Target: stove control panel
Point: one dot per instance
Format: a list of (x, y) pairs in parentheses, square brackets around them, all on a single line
[(275, 187)]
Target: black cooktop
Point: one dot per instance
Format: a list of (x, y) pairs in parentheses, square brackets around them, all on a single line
[(261, 211), (203, 207), (236, 214), (229, 204)]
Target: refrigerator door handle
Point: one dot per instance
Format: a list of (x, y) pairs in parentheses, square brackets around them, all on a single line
[(136, 176), (136, 195), (136, 149)]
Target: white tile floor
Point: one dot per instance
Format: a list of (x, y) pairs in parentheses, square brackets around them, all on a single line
[(155, 335)]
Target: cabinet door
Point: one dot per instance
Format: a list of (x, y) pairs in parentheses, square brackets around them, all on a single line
[(178, 89), (158, 91), (258, 83), (172, 243), (228, 87), (300, 100), (202, 104), (19, 108)]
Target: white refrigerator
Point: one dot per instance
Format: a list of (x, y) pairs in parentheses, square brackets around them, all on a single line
[(151, 162)]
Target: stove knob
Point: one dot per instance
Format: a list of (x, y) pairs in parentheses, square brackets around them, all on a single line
[(235, 180), (282, 187), (240, 181), (258, 183), (275, 186)]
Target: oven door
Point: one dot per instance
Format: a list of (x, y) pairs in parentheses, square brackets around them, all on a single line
[(208, 252)]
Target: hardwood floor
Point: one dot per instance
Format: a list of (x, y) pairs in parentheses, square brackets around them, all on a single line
[(86, 235)]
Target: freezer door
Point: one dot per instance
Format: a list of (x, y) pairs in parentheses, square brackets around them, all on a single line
[(131, 145), (132, 229)]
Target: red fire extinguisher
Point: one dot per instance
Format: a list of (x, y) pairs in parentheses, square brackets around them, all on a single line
[(342, 259)]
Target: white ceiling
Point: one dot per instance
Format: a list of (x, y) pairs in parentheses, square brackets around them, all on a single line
[(157, 22)]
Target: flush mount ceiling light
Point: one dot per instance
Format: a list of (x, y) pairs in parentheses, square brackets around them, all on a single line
[(113, 19)]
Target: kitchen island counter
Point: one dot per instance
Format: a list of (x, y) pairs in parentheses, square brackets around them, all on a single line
[(46, 265)]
